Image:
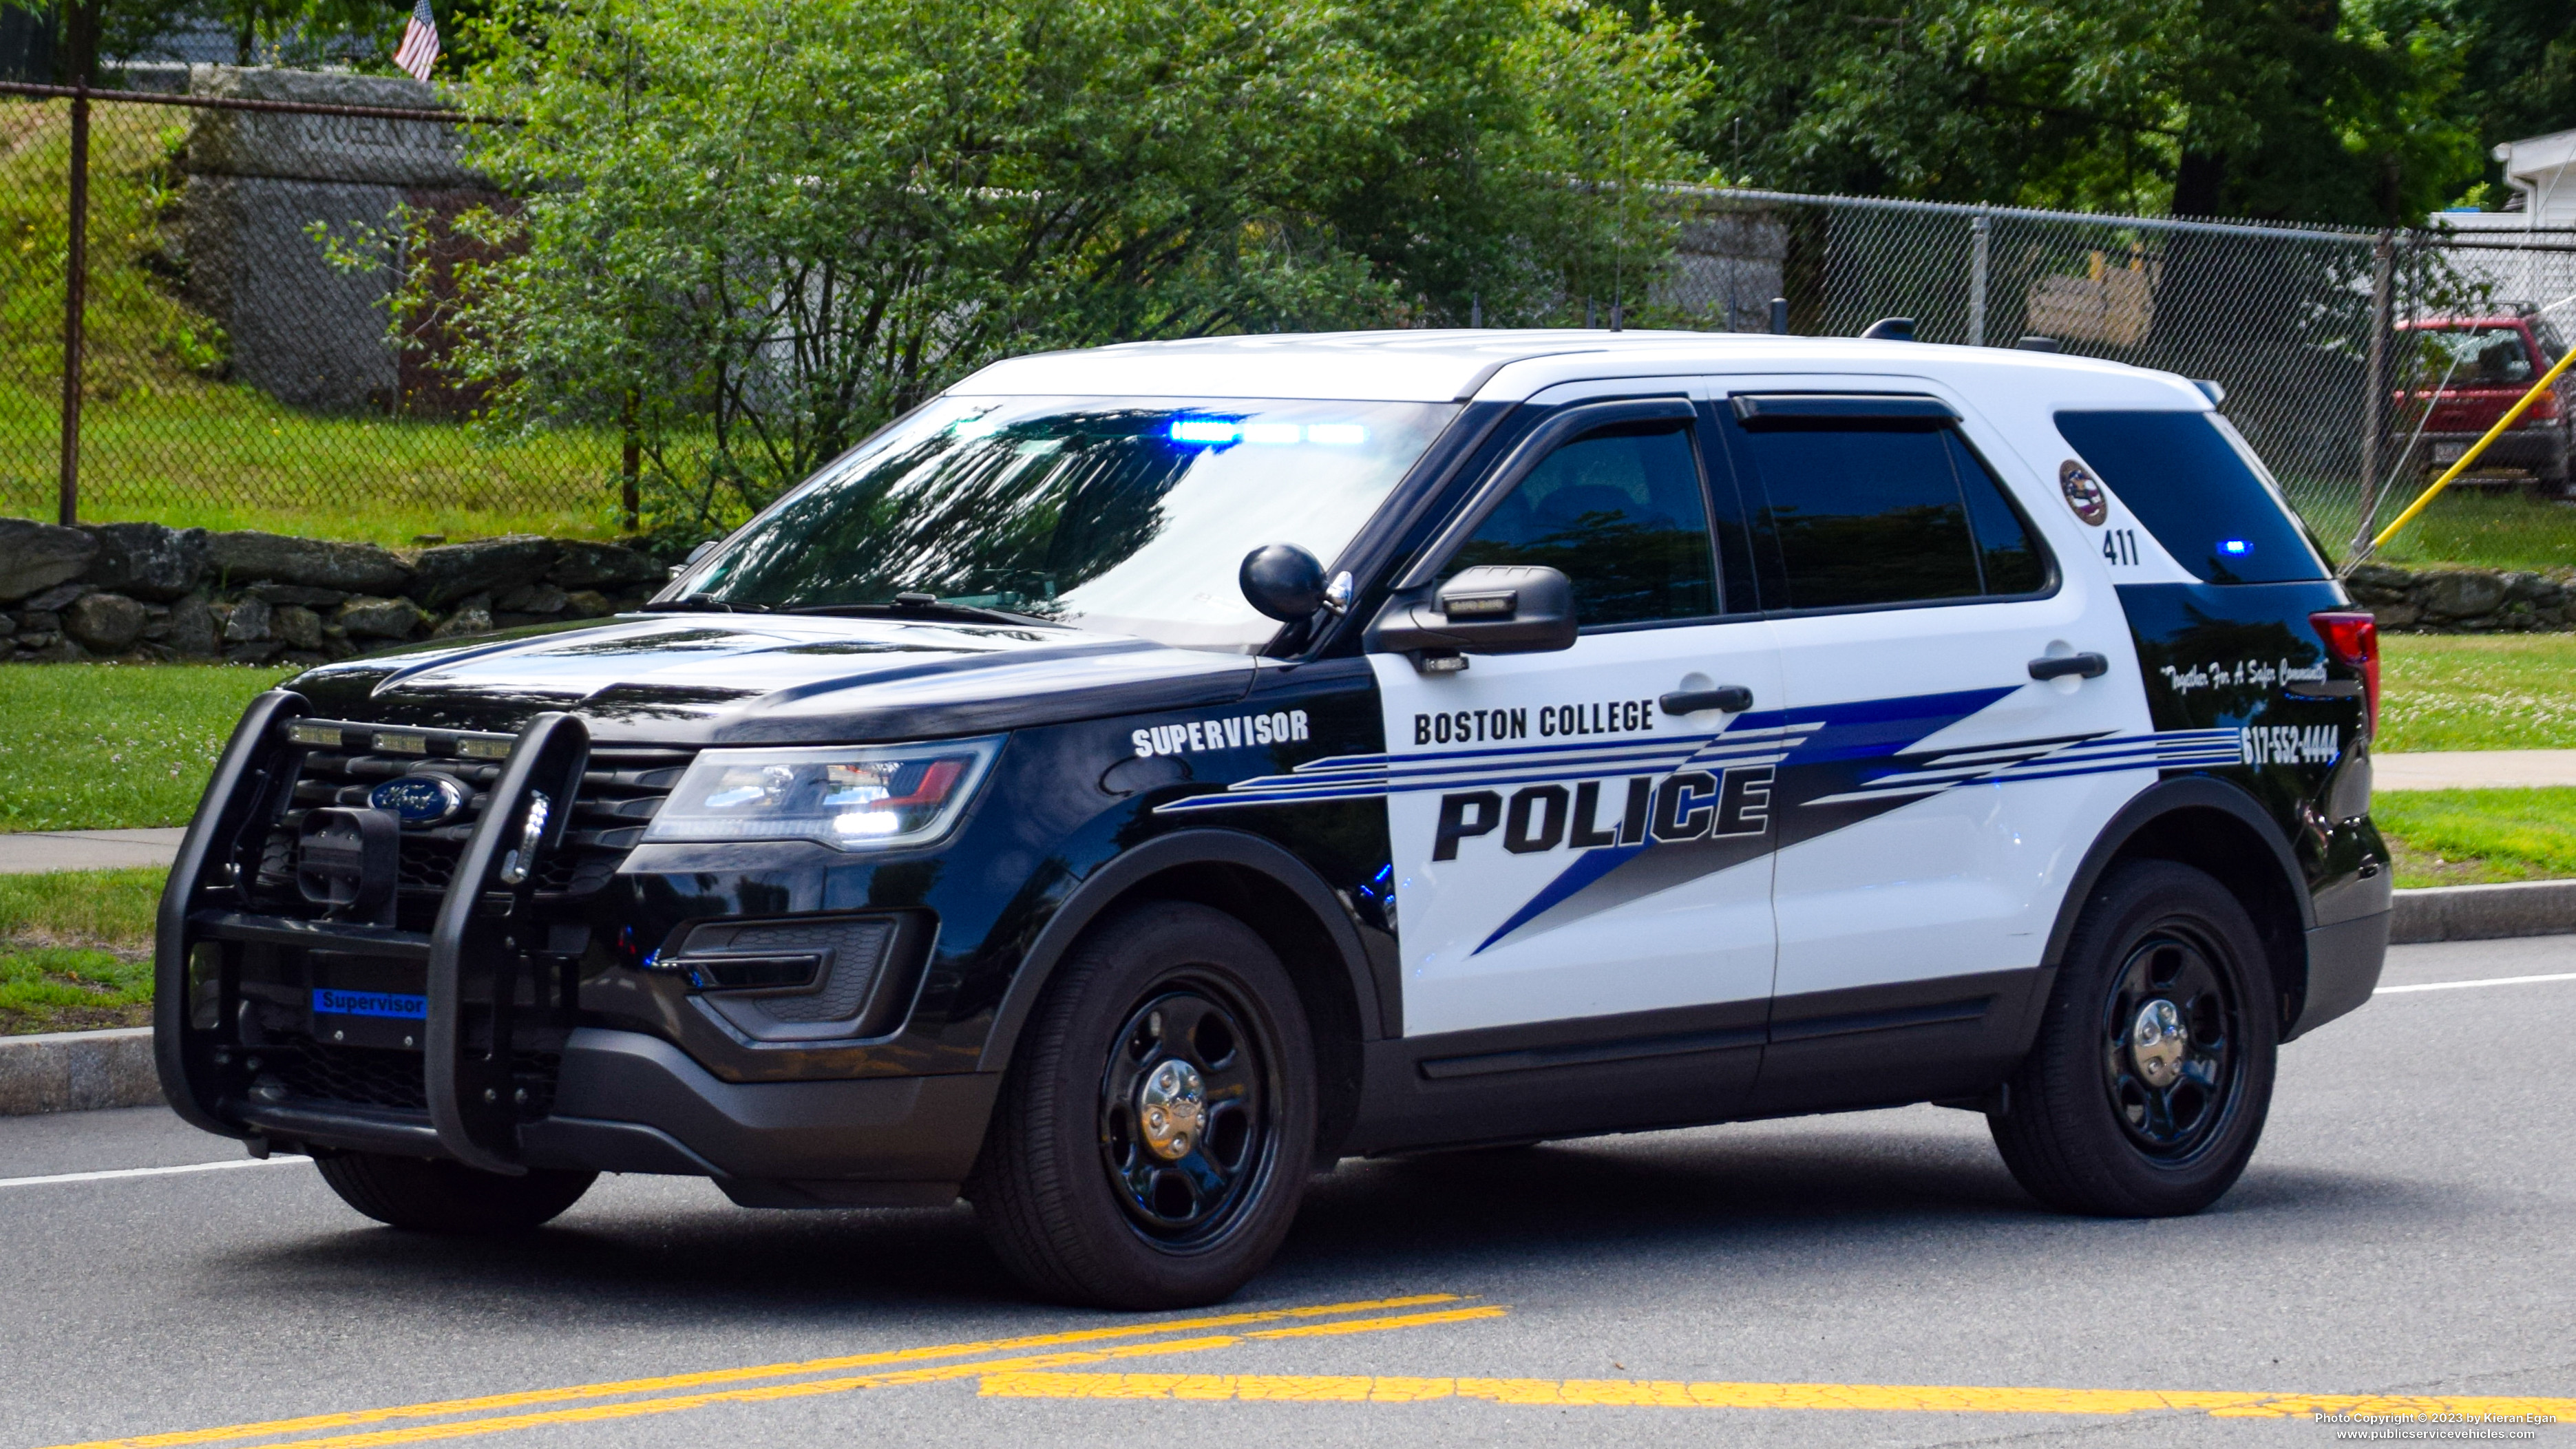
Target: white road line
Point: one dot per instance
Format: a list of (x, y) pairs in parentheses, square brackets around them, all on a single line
[(2490, 981), (148, 1171)]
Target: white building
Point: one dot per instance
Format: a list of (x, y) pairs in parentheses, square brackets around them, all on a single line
[(2541, 270)]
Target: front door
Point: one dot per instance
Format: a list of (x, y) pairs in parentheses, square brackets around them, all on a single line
[(1565, 847)]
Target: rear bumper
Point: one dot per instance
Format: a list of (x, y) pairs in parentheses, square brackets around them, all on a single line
[(2540, 450), (2344, 961)]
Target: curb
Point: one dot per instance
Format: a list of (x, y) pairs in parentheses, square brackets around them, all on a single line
[(78, 1071), (82, 1071), (2483, 912)]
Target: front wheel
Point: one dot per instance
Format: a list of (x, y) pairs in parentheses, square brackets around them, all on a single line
[(449, 1197), (2149, 1083), (1153, 1138)]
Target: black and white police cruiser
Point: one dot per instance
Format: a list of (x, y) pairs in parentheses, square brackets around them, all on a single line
[(1142, 777)]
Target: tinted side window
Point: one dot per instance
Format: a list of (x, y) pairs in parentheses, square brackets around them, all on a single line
[(2185, 482), (2007, 552), (1620, 513), (1887, 515)]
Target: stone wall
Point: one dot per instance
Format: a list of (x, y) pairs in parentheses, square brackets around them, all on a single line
[(2451, 600), (139, 591)]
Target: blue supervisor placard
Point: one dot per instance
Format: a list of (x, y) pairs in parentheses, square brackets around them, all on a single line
[(327, 1002)]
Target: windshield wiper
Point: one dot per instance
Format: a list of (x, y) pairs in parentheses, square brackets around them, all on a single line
[(706, 606), (922, 606)]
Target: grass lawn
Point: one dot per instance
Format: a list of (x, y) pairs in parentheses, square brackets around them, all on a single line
[(76, 949), (2499, 528), (2477, 837), (113, 746), (2469, 692)]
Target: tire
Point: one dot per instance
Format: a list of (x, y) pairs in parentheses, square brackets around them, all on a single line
[(1093, 1188), (2117, 1114), (448, 1197)]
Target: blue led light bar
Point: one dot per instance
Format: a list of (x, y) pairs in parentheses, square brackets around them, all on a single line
[(1206, 431), (2235, 547)]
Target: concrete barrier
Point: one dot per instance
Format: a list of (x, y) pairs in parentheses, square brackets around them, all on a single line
[(2484, 912), (77, 1071)]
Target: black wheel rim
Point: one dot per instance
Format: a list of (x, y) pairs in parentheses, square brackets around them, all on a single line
[(2171, 1043), (1185, 1114)]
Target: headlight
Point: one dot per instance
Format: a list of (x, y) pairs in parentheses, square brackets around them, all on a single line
[(866, 797)]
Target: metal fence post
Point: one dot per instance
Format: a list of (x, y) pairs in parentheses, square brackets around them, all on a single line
[(1980, 235), (2374, 407), (82, 21)]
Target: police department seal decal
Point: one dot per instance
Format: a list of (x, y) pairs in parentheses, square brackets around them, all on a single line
[(2083, 494)]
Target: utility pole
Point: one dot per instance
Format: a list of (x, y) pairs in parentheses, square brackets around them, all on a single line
[(1980, 240), (80, 19), (2374, 406)]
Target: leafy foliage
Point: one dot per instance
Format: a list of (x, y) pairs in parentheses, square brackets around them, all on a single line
[(2294, 109), (755, 232)]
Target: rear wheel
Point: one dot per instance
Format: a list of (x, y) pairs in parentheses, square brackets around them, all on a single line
[(2148, 1086), (1153, 1139), (449, 1197)]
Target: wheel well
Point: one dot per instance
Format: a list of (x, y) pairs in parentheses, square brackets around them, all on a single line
[(1314, 962), (2227, 848)]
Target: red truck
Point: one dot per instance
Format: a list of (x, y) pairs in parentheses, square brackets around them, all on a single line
[(2474, 368)]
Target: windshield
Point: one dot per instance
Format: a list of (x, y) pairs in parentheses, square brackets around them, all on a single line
[(1123, 514), (2479, 356)]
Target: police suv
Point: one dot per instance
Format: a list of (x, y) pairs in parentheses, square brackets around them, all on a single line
[(1142, 777)]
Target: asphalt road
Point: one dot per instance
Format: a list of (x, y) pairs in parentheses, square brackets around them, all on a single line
[(2405, 1230)]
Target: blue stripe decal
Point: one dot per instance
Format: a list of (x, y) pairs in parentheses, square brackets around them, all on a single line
[(1588, 867)]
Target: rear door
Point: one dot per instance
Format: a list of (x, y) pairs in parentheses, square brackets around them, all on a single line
[(1938, 794)]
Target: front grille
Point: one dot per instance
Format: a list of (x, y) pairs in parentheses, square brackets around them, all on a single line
[(367, 1076), (309, 1070), (620, 791)]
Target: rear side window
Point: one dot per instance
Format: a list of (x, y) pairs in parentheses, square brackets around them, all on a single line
[(1621, 514), (1886, 514), (2186, 483)]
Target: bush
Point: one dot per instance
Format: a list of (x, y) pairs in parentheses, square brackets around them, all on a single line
[(756, 232)]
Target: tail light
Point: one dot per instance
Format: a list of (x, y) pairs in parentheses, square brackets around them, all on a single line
[(2353, 639), (2543, 410)]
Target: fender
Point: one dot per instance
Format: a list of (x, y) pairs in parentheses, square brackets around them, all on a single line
[(1106, 885), (2193, 792)]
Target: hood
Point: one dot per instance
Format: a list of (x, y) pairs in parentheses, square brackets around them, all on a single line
[(704, 679)]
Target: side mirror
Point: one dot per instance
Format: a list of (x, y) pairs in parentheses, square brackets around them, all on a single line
[(1283, 581), (1495, 609)]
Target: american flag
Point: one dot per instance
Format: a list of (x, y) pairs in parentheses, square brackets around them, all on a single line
[(419, 48)]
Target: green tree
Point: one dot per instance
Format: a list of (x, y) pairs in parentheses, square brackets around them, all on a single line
[(754, 232), (2292, 109)]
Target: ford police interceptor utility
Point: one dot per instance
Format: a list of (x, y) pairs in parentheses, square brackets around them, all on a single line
[(1141, 777)]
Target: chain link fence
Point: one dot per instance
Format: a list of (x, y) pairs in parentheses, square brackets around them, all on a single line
[(2356, 363), (233, 374)]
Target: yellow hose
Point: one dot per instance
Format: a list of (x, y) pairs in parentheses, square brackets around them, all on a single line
[(2471, 456)]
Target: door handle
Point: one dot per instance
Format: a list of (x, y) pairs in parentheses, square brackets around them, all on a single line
[(1732, 698), (2082, 666)]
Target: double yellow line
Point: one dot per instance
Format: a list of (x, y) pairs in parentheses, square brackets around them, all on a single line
[(1683, 1394), (675, 1393)]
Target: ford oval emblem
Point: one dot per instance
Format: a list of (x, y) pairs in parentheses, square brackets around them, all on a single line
[(422, 799)]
